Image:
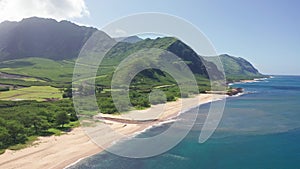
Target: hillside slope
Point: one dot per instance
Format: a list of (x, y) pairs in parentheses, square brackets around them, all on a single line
[(39, 37), (59, 41), (237, 68), (170, 44)]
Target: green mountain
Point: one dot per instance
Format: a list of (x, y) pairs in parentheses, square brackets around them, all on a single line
[(44, 38), (237, 68), (173, 45), (58, 41), (46, 49)]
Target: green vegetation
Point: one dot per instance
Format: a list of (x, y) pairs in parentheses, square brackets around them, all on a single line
[(32, 79), (237, 68), (62, 118), (59, 74), (148, 80), (3, 89), (45, 38), (27, 143), (47, 75), (41, 68), (55, 131), (18, 82), (21, 122), (38, 93)]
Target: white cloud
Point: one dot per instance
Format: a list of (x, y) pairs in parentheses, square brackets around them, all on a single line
[(15, 10)]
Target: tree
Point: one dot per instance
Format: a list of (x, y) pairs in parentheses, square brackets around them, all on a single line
[(4, 137), (99, 89), (39, 123), (62, 118), (16, 131), (67, 93)]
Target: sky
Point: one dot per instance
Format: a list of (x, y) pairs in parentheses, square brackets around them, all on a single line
[(265, 32)]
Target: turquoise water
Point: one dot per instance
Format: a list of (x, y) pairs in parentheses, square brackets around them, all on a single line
[(259, 130)]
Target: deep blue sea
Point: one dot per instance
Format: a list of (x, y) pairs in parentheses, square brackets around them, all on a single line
[(259, 130)]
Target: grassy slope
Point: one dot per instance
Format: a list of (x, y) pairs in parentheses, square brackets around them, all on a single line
[(61, 71), (237, 68), (45, 69)]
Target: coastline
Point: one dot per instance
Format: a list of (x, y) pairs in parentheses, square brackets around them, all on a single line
[(63, 151), (50, 152), (250, 81), (58, 152), (173, 110)]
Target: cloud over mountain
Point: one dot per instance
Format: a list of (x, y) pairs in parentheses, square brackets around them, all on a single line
[(15, 10)]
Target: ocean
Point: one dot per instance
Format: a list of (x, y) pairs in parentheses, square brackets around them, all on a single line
[(259, 130)]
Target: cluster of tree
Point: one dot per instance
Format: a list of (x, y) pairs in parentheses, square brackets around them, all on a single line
[(140, 98), (3, 89), (67, 93), (20, 120), (141, 93)]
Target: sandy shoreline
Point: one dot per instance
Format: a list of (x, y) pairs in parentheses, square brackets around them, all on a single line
[(60, 151)]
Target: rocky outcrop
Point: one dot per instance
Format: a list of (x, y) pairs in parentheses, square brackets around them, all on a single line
[(235, 91)]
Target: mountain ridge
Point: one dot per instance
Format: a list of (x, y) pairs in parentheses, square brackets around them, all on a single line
[(236, 68), (63, 40), (39, 37)]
